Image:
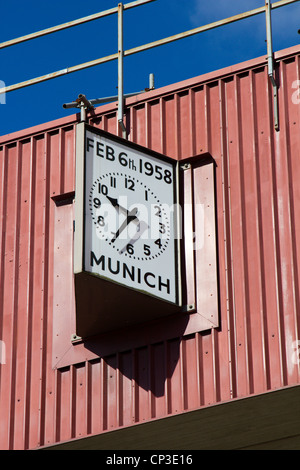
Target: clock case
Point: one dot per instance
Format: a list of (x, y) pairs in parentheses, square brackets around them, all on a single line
[(104, 305)]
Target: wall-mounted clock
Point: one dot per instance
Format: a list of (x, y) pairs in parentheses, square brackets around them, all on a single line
[(127, 216)]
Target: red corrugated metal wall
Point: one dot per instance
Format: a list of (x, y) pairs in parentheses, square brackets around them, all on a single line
[(228, 113)]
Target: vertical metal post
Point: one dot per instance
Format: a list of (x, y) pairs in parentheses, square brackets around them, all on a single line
[(82, 113), (271, 62), (151, 81), (120, 70)]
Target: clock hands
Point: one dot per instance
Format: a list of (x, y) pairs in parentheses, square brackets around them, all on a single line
[(142, 227), (131, 216), (116, 205)]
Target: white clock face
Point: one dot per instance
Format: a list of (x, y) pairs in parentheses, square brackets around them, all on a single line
[(130, 216)]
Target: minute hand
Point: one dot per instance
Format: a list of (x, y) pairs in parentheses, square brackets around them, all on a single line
[(142, 227), (131, 216)]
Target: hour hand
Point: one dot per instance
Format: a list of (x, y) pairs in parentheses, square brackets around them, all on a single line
[(117, 206)]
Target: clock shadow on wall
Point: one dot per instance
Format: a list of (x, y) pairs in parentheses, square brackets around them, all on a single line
[(149, 359), (126, 329)]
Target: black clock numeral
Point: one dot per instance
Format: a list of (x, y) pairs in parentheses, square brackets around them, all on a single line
[(147, 250), (162, 228), (158, 243), (158, 212), (130, 249), (113, 182), (129, 184), (97, 202), (100, 221), (102, 189)]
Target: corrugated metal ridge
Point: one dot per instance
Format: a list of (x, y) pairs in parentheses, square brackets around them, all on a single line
[(111, 107), (39, 129), (258, 215), (218, 74)]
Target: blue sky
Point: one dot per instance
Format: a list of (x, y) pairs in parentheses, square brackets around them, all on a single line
[(171, 63)]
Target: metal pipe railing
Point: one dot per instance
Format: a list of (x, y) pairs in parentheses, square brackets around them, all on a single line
[(70, 24), (121, 53), (144, 47)]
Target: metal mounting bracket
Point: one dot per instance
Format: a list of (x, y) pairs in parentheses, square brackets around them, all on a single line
[(189, 308), (75, 339), (185, 166), (85, 105)]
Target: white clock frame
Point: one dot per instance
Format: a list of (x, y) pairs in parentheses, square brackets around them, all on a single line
[(148, 280)]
